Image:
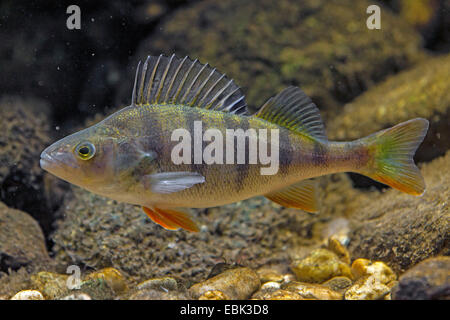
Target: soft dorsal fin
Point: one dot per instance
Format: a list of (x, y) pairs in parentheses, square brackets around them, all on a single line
[(172, 80), (301, 195), (293, 109)]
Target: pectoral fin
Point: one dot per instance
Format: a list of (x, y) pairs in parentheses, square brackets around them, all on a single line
[(168, 182), (301, 195), (171, 219)]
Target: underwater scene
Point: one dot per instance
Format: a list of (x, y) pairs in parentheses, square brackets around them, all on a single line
[(225, 150)]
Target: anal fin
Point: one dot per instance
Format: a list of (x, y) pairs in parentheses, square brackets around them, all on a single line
[(301, 195), (171, 219)]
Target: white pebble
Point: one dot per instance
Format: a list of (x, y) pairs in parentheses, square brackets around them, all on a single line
[(270, 285), (28, 295), (77, 296)]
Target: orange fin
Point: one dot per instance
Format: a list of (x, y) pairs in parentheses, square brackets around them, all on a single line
[(171, 219), (301, 195)]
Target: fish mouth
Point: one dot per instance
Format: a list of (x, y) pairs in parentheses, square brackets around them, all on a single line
[(46, 161)]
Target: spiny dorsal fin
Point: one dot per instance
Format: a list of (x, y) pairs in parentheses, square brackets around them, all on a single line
[(293, 109), (301, 195), (172, 80)]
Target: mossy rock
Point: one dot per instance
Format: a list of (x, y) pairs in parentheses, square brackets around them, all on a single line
[(423, 91), (322, 46)]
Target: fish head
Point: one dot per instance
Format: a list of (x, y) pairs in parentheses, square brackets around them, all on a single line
[(84, 158)]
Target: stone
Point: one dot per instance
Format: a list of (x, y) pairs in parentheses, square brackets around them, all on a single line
[(22, 243), (214, 295), (313, 291), (28, 295), (270, 285), (153, 294), (402, 230), (112, 277), (164, 283), (377, 269), (428, 280), (77, 296), (336, 246), (24, 133), (237, 283), (367, 288), (280, 294), (52, 285), (338, 284), (319, 266), (266, 275)]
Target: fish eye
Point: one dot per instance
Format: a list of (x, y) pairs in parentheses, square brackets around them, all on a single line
[(85, 150)]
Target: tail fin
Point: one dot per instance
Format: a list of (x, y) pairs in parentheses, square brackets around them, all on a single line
[(392, 152)]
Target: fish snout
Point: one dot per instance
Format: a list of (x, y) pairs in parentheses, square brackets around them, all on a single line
[(56, 158)]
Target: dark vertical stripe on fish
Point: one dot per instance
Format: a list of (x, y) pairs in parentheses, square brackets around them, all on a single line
[(286, 152), (242, 170)]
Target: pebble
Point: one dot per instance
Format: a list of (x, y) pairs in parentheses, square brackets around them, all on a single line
[(152, 294), (28, 295), (367, 288), (428, 280), (320, 265), (164, 283), (214, 295), (336, 246), (379, 270), (237, 284), (313, 291), (77, 296), (52, 285), (113, 278), (266, 275), (271, 285), (280, 294), (338, 283)]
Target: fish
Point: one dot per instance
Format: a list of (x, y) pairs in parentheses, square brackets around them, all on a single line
[(129, 155)]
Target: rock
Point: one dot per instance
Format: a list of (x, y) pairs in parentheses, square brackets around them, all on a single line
[(367, 288), (335, 245), (112, 277), (214, 295), (313, 291), (152, 294), (430, 279), (24, 133), (260, 47), (77, 296), (423, 91), (379, 270), (22, 242), (338, 284), (165, 283), (280, 294), (97, 289), (320, 266), (52, 285), (266, 275), (238, 284), (270, 285), (402, 230), (28, 295)]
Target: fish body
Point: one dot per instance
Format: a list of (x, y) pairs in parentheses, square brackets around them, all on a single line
[(133, 155)]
